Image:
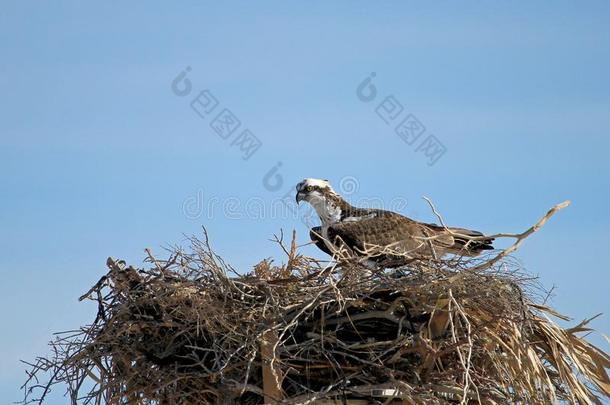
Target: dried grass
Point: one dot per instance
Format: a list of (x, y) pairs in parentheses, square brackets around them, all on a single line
[(189, 329)]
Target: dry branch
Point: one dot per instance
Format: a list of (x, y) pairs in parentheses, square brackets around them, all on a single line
[(433, 331)]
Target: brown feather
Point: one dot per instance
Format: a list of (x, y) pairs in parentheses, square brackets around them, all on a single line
[(379, 229)]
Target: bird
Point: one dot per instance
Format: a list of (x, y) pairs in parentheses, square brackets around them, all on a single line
[(379, 235)]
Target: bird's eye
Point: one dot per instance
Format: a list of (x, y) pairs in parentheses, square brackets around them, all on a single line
[(309, 188)]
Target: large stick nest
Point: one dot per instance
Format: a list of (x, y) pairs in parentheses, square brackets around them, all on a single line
[(188, 330)]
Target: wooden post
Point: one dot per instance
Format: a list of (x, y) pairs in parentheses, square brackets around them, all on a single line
[(272, 380)]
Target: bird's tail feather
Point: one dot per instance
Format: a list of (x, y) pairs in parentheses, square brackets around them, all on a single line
[(467, 242)]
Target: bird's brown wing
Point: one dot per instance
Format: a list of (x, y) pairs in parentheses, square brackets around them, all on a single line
[(315, 234), (382, 229)]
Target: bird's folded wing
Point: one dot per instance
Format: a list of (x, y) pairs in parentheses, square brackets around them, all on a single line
[(315, 234), (387, 229)]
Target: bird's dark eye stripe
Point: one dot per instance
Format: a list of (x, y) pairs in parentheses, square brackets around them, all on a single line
[(309, 187)]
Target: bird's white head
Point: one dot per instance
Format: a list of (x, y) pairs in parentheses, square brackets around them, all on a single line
[(322, 197)]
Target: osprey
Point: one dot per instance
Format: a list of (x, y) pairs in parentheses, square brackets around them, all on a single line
[(383, 236)]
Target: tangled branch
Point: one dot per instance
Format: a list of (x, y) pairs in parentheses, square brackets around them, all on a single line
[(188, 329)]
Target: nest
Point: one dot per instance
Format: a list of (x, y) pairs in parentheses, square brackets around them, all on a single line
[(190, 330)]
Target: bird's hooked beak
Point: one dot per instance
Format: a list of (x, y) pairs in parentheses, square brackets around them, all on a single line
[(300, 196)]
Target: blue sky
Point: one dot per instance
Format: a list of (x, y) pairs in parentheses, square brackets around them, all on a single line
[(98, 157)]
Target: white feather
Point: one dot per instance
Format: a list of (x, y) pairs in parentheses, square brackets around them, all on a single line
[(356, 219), (317, 182)]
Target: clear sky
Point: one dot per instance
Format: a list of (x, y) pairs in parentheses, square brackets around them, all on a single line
[(100, 156)]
